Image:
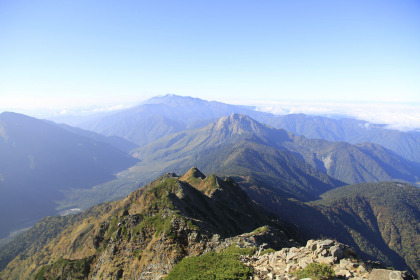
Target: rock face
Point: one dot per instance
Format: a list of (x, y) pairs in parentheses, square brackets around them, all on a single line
[(284, 264)]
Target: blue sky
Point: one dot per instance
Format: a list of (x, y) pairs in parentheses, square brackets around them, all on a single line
[(81, 53)]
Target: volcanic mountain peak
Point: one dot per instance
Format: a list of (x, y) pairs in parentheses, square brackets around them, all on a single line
[(174, 100)]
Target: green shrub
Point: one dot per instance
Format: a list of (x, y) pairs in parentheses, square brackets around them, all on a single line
[(190, 225), (260, 230), (137, 254), (316, 271), (213, 266), (236, 251)]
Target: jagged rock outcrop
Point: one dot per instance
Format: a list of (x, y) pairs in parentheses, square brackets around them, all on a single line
[(284, 264)]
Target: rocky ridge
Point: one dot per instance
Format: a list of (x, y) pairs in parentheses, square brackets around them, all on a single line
[(144, 235), (284, 264)]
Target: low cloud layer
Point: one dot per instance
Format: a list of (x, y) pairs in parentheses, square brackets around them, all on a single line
[(396, 116)]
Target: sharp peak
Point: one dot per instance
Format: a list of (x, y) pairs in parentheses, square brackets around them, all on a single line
[(208, 185), (194, 172), (235, 117), (238, 120), (170, 175)]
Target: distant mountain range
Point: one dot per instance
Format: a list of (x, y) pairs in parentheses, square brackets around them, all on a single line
[(39, 160), (406, 144), (241, 134), (294, 166), (160, 116), (239, 146), (290, 165)]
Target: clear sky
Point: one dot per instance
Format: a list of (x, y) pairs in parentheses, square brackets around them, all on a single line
[(86, 52)]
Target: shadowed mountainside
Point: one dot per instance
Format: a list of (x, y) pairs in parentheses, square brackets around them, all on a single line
[(39, 160), (380, 220)]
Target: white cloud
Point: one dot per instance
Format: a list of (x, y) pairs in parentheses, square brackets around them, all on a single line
[(398, 115), (111, 108)]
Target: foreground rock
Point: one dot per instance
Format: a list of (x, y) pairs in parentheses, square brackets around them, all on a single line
[(284, 264)]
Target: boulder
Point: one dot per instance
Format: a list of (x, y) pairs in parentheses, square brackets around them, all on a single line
[(326, 243), (326, 260), (385, 274), (303, 262), (337, 252)]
